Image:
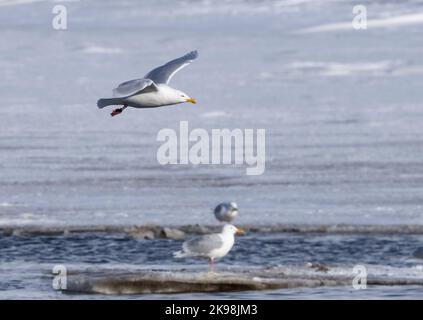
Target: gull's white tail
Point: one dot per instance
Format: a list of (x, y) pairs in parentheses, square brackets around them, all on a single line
[(179, 254), (109, 102)]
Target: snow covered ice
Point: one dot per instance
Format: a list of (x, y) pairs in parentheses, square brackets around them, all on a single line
[(341, 109)]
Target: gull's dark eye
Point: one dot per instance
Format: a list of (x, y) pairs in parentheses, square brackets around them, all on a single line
[(182, 95)]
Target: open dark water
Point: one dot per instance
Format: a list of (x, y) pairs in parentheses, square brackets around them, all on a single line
[(26, 262)]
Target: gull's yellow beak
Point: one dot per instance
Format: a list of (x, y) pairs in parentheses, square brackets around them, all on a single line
[(239, 231), (191, 100)]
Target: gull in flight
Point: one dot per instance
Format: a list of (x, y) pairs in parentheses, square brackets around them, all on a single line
[(210, 246), (151, 91), (226, 212)]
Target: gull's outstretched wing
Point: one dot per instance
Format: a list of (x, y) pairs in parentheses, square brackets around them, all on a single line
[(132, 87), (203, 245), (164, 73)]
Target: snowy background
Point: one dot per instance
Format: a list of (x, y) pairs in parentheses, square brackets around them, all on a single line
[(341, 108)]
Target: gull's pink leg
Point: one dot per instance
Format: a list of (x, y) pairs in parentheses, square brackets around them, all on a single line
[(211, 264), (118, 111)]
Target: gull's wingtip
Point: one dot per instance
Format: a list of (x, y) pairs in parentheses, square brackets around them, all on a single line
[(100, 104), (193, 54)]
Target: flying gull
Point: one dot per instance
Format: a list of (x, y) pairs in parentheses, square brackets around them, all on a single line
[(226, 212), (151, 91)]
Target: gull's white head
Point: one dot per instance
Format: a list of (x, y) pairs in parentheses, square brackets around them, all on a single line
[(233, 210), (229, 228), (183, 97)]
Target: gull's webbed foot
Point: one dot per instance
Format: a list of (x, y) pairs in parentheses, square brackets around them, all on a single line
[(116, 112)]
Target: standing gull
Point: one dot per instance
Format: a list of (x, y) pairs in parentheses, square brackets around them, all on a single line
[(226, 212), (210, 246), (151, 91)]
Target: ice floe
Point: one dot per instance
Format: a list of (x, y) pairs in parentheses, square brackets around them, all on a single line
[(114, 281)]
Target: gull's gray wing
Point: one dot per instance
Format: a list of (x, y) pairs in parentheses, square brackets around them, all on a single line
[(220, 211), (203, 245), (225, 212), (164, 73), (132, 87)]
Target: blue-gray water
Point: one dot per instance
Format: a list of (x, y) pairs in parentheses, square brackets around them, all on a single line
[(341, 109), (26, 262)]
